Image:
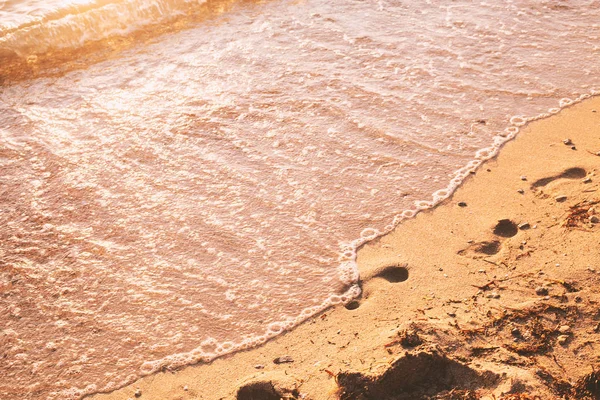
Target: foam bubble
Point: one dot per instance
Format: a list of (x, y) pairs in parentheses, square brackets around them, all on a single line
[(423, 204), (441, 194), (148, 367), (226, 346), (511, 131), (275, 328), (348, 255), (518, 120), (335, 299), (348, 272), (474, 164), (397, 219), (369, 233), (565, 102), (208, 346), (541, 116), (483, 154)]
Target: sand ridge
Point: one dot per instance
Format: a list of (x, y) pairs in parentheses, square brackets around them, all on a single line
[(491, 295)]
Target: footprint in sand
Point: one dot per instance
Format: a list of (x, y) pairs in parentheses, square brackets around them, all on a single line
[(505, 228), (391, 273), (570, 173), (486, 247)]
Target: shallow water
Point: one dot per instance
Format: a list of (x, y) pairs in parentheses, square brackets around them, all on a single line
[(205, 188)]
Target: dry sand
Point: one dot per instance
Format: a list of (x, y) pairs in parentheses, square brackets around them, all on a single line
[(458, 302)]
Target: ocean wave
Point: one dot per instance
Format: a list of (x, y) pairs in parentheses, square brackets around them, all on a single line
[(73, 25)]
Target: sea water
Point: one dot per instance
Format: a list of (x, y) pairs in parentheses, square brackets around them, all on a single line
[(183, 179)]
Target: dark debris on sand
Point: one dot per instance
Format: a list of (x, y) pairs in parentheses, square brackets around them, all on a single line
[(425, 375)]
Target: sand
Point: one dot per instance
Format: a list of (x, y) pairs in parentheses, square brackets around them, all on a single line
[(492, 294)]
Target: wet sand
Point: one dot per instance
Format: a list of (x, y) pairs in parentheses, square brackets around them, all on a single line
[(492, 294)]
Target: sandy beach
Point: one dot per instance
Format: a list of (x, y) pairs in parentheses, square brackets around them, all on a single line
[(216, 199), (490, 295)]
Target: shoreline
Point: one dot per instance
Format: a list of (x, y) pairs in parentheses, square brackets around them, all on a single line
[(454, 289)]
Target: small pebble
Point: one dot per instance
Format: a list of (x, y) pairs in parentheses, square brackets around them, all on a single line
[(284, 359), (516, 332), (567, 142), (524, 226), (564, 329), (523, 178), (259, 366), (563, 339), (587, 180), (138, 393), (560, 198), (462, 204), (578, 299), (573, 148), (493, 295), (594, 219), (541, 291), (521, 191), (185, 388), (451, 314), (481, 271)]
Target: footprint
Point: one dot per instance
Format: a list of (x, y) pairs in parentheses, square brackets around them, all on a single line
[(393, 273), (352, 305), (486, 247), (570, 173), (506, 228)]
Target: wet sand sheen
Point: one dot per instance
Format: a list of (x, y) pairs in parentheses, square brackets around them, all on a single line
[(472, 315)]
